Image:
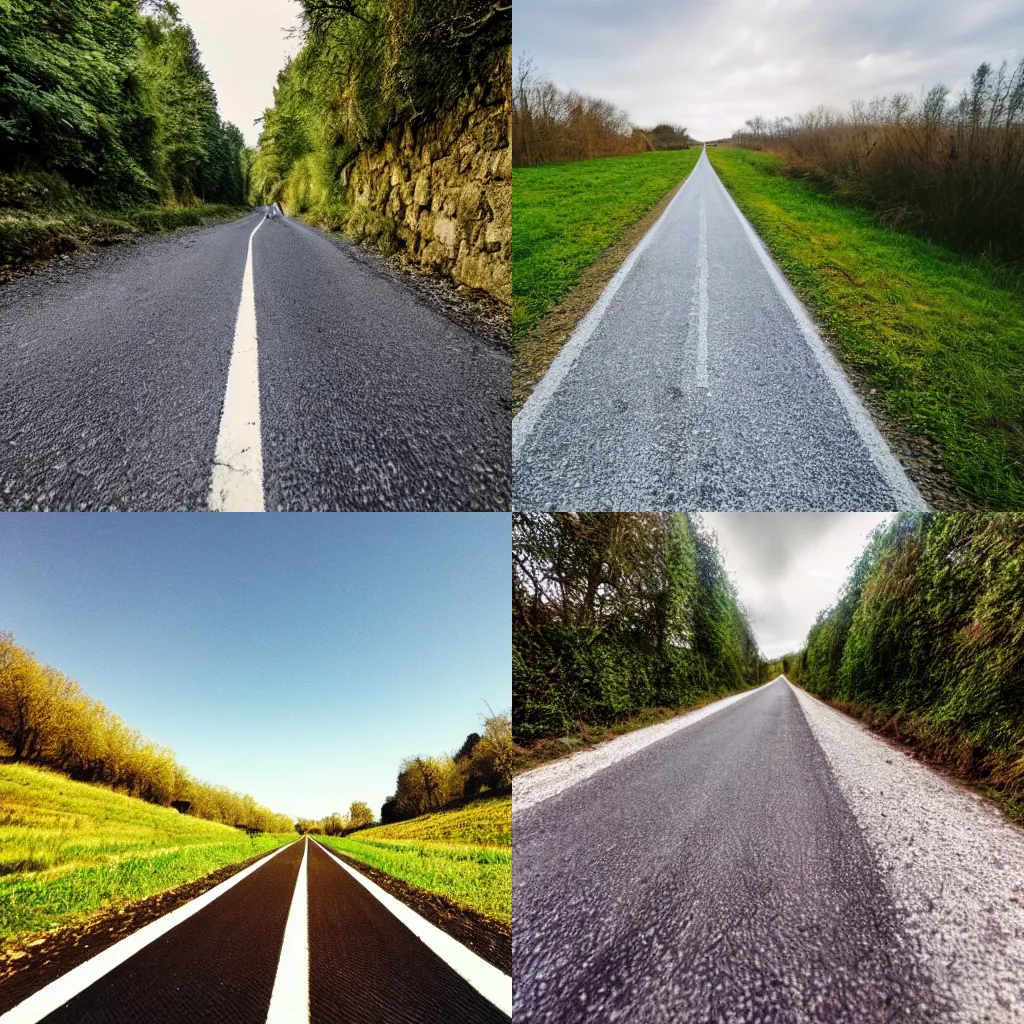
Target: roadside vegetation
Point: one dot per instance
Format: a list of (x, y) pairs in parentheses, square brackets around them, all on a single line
[(464, 855), (365, 68), (46, 719), (936, 339), (69, 849), (615, 614), (108, 126), (926, 643), (567, 214)]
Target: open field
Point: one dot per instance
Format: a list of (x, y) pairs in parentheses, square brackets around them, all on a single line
[(936, 339), (464, 855), (68, 849), (566, 215)]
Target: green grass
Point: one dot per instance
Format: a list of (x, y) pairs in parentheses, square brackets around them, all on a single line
[(940, 336), (464, 855), (69, 849), (565, 215)]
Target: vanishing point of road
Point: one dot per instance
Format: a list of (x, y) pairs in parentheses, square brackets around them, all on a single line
[(698, 381)]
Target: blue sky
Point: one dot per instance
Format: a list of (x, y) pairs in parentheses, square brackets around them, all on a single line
[(297, 657)]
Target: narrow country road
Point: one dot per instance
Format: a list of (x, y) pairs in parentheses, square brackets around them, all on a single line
[(697, 381), (295, 938), (767, 861), (346, 392)]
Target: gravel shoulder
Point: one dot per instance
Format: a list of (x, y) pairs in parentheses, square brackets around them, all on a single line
[(952, 863)]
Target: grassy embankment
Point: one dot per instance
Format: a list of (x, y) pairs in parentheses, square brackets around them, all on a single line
[(940, 337), (40, 216), (566, 215), (69, 849), (464, 855)]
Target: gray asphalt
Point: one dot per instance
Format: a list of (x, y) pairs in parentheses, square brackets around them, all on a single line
[(113, 370), (631, 426), (715, 876)]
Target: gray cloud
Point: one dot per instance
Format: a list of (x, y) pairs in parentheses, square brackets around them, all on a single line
[(787, 567), (711, 66)]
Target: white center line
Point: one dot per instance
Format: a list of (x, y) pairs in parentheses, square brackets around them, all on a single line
[(289, 1002), (702, 300), (237, 481)]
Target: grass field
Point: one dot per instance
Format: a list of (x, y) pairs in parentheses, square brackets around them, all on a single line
[(565, 215), (465, 854), (940, 336), (68, 849)]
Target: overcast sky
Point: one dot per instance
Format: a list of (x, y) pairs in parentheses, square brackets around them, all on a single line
[(711, 64), (787, 566), (244, 46)]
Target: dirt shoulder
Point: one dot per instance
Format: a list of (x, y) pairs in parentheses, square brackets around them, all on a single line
[(537, 350)]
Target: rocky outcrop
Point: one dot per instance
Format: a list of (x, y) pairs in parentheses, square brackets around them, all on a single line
[(440, 193)]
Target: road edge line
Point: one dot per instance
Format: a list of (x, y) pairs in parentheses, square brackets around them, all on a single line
[(54, 995), (596, 759), (524, 421), (236, 479), (291, 981), (494, 985), (904, 490)]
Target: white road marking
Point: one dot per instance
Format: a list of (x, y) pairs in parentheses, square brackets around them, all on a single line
[(549, 780), (69, 985), (289, 1002), (905, 494), (526, 419), (702, 300), (491, 983), (237, 481)]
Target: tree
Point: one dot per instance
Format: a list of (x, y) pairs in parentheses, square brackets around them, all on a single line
[(359, 814)]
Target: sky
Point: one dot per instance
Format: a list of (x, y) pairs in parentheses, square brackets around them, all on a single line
[(296, 657), (244, 45), (712, 64), (788, 566)]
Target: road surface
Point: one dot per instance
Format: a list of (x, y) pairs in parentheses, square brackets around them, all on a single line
[(697, 381), (769, 862), (298, 938), (353, 394)]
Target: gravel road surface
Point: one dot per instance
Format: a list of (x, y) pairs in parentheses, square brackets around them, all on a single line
[(770, 862), (114, 366), (698, 381), (226, 962)]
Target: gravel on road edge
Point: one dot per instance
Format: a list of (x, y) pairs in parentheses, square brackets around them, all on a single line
[(953, 865), (549, 780)]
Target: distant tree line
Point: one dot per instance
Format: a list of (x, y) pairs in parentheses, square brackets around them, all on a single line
[(365, 67), (928, 637), (359, 816), (482, 766), (550, 125), (614, 612), (114, 100), (46, 719), (952, 170)]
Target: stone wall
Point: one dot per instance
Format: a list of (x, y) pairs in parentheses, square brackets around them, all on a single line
[(440, 193)]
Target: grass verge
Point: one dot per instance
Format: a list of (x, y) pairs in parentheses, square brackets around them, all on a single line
[(566, 215), (935, 340), (464, 855), (69, 849)]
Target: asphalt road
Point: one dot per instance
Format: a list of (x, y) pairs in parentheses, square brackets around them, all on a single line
[(698, 382), (227, 962), (717, 875), (114, 369)]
